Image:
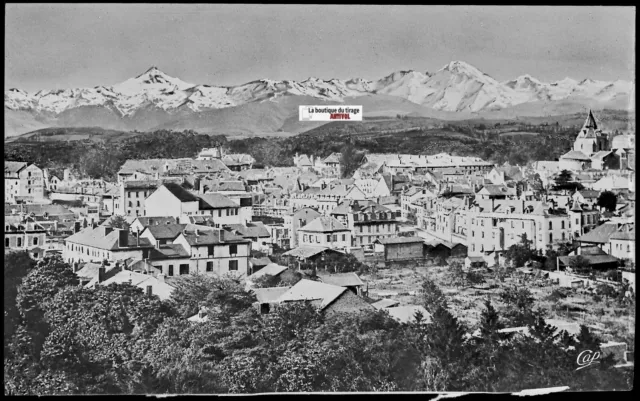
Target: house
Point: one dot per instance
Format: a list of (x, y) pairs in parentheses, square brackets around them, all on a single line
[(172, 200), (605, 160), (267, 298), (23, 180), (310, 253), (400, 248), (161, 234), (213, 251), (600, 236), (133, 195), (140, 222), (623, 243), (300, 218), (582, 220), (256, 232), (586, 197), (97, 243), (200, 317), (612, 183), (624, 147), (151, 285), (385, 303), (238, 162), (591, 139), (496, 192), (272, 269), (257, 264), (325, 231), (23, 235), (574, 160), (407, 313), (367, 221), (445, 249), (329, 299), (351, 281), (373, 187)]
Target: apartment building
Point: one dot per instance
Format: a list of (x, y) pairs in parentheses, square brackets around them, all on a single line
[(368, 221), (325, 231), (23, 181)]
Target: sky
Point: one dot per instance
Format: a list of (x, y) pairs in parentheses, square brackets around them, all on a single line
[(54, 46)]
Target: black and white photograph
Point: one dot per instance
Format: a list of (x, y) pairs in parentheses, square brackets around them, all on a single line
[(256, 199)]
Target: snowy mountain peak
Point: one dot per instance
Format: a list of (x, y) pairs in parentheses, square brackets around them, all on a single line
[(460, 67)]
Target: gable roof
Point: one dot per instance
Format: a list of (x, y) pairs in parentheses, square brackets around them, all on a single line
[(307, 290), (156, 220), (601, 154), (272, 269), (340, 279), (13, 168), (400, 240), (406, 313), (216, 201), (182, 194), (268, 295), (165, 231), (251, 230), (159, 288), (96, 238), (385, 303), (307, 251), (169, 251), (575, 155), (324, 224), (333, 158), (625, 233), (600, 234), (210, 236)]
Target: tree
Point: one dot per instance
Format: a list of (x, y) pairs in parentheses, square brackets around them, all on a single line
[(519, 254), (607, 200), (118, 221), (349, 160), (16, 266), (580, 264), (565, 181)]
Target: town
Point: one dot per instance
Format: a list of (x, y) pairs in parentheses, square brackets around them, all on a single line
[(351, 244)]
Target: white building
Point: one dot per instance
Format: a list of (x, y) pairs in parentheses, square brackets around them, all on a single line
[(22, 180)]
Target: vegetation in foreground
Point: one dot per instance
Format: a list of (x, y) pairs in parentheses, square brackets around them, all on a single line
[(65, 339)]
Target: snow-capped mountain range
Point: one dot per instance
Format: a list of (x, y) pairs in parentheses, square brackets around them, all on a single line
[(455, 87)]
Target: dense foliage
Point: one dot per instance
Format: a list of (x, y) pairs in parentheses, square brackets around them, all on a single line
[(607, 200), (103, 158), (117, 340)]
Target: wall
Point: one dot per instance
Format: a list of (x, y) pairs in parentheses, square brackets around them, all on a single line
[(403, 251), (343, 239), (623, 249), (26, 239)]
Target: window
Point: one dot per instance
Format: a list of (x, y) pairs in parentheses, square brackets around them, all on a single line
[(210, 250), (137, 194), (170, 270), (6, 242), (563, 236), (550, 237), (473, 221), (219, 212), (329, 238), (473, 233), (512, 224), (473, 247), (305, 238), (483, 234), (551, 225), (233, 265), (35, 240), (335, 237), (130, 204), (344, 237), (577, 221), (184, 269), (482, 223), (19, 242), (493, 235), (562, 224), (628, 247), (523, 224), (209, 266), (137, 203)]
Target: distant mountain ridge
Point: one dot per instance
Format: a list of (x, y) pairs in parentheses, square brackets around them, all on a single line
[(154, 99)]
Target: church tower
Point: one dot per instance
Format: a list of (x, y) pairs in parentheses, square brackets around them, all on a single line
[(591, 139)]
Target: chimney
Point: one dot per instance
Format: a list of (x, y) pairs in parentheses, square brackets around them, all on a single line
[(101, 273), (124, 265), (76, 227), (123, 238), (157, 243), (149, 291)]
